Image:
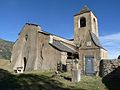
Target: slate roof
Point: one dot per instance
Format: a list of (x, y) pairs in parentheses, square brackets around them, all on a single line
[(84, 10), (60, 46), (96, 40), (47, 33)]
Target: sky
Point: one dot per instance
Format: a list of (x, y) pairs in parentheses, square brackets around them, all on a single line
[(56, 16)]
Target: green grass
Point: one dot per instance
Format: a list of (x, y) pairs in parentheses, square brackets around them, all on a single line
[(86, 83), (91, 83), (46, 81)]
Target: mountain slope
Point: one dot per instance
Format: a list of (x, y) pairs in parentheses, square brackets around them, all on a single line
[(5, 49), (5, 64)]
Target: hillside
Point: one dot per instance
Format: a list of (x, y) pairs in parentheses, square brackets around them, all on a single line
[(5, 49), (5, 64)]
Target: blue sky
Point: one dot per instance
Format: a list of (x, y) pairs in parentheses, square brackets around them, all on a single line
[(56, 16)]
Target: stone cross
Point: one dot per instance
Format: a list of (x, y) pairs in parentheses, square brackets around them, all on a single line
[(76, 73)]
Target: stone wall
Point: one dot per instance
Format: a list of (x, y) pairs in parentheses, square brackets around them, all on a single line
[(32, 51), (24, 49), (48, 56), (108, 66)]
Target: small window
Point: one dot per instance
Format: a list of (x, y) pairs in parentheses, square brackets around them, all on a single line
[(26, 37), (94, 23), (95, 27), (82, 22), (94, 20), (89, 44)]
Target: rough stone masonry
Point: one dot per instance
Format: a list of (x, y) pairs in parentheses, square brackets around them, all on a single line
[(108, 66)]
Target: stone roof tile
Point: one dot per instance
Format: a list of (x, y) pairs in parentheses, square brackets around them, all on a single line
[(95, 40), (60, 46)]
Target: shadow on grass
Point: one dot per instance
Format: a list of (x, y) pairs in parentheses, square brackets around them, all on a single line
[(9, 81), (112, 80)]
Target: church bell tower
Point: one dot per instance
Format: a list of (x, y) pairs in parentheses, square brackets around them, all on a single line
[(84, 22)]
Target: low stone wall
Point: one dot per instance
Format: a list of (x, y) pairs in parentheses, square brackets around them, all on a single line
[(108, 66)]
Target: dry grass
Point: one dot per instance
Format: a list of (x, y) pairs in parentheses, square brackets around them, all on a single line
[(5, 64)]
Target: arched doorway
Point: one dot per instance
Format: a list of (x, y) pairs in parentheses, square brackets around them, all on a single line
[(25, 62)]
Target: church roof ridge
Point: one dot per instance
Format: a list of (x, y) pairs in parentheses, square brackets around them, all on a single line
[(32, 24), (83, 10)]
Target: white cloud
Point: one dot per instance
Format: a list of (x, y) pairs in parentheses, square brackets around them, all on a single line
[(112, 44)]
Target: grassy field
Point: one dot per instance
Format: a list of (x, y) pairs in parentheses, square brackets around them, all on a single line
[(47, 81)]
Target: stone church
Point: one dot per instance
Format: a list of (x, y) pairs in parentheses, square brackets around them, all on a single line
[(36, 49)]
